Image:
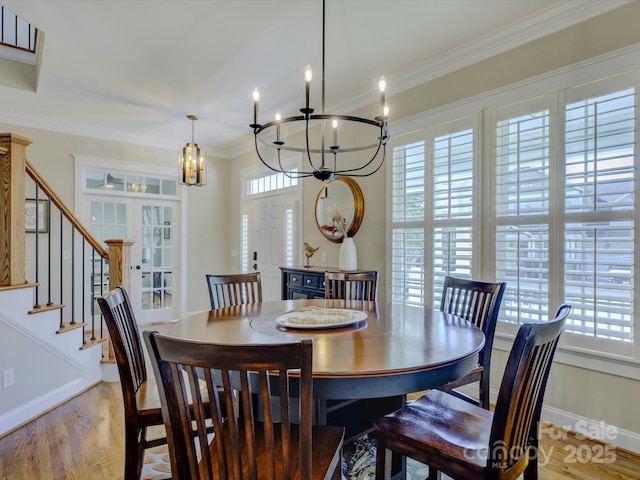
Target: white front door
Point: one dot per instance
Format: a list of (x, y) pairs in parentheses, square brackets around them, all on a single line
[(272, 244)]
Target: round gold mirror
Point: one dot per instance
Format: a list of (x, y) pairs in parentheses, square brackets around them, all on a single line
[(339, 208)]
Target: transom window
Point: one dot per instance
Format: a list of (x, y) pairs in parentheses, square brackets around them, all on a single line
[(269, 183), (120, 182)]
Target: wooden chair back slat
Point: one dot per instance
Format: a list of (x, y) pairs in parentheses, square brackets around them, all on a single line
[(237, 289), (351, 286)]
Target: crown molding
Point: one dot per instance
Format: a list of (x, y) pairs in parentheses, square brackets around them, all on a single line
[(560, 16), (554, 19)]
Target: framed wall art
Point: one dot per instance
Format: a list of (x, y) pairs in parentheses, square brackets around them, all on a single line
[(31, 215)]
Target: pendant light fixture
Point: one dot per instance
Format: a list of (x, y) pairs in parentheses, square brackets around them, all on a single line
[(331, 144), (192, 161)]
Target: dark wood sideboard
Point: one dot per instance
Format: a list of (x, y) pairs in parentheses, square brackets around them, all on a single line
[(301, 282)]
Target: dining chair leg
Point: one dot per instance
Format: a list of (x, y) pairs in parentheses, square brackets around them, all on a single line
[(433, 474), (337, 473), (383, 462), (134, 453), (531, 472)]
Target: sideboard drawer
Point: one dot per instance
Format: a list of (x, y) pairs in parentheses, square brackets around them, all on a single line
[(302, 283), (310, 281)]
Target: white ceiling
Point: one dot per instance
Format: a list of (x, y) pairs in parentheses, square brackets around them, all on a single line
[(132, 70)]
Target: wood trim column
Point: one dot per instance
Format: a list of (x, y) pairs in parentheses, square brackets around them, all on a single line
[(120, 263), (13, 157)]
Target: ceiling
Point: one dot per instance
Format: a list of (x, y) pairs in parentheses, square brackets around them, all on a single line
[(132, 70)]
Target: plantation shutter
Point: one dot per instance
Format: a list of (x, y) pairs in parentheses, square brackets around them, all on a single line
[(433, 210), (453, 155), (408, 214), (599, 204), (522, 207)]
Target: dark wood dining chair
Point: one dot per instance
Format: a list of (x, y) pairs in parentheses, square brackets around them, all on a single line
[(351, 286), (236, 289), (268, 440), (468, 442), (479, 303), (139, 391)]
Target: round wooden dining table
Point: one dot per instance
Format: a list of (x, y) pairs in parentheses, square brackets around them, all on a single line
[(394, 350)]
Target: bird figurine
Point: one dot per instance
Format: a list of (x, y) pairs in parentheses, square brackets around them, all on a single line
[(309, 251)]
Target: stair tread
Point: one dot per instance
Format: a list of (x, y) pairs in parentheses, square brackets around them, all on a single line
[(45, 308), (67, 327)]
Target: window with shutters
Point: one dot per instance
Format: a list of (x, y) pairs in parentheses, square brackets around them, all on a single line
[(432, 190), (547, 206), (600, 138)]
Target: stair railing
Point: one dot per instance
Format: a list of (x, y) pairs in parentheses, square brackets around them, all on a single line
[(70, 267)]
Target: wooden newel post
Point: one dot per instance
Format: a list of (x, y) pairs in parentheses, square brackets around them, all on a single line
[(120, 263), (13, 158)]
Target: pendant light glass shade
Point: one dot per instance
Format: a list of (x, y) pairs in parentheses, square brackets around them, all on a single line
[(192, 161)]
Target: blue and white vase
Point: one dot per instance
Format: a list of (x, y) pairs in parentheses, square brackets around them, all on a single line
[(348, 259)]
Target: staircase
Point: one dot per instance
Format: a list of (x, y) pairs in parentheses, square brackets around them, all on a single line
[(53, 343)]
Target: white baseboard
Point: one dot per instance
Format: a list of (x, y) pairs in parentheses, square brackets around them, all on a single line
[(31, 410), (598, 430), (110, 372)]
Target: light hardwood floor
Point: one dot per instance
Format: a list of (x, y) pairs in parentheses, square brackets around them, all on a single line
[(83, 440)]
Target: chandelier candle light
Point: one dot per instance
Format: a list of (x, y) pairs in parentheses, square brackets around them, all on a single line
[(192, 161), (324, 157)]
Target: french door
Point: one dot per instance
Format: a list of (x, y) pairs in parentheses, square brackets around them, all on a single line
[(152, 224)]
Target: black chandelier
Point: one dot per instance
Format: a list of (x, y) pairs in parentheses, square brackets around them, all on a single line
[(315, 135)]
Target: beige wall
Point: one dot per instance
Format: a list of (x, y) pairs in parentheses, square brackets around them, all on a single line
[(207, 247), (583, 392), (213, 213)]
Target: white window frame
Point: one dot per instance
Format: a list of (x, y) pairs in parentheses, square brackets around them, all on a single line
[(625, 60)]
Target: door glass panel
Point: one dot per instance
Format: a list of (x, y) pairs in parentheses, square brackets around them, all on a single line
[(109, 213), (104, 224), (146, 300), (157, 258), (96, 213), (121, 213)]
